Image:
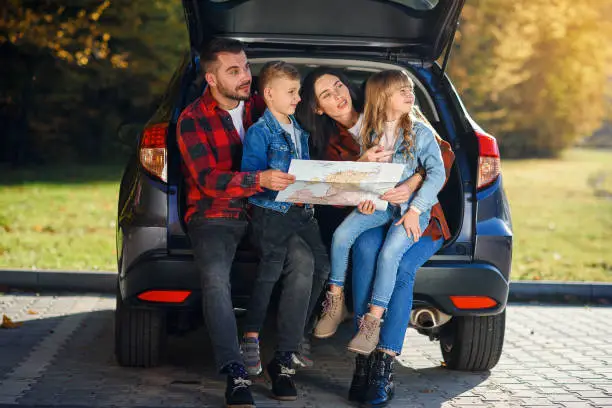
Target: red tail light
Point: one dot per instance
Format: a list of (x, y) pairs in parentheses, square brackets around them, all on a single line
[(153, 152), (473, 302), (165, 296), (489, 163)]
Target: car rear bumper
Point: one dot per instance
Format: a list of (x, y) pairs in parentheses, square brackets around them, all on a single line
[(434, 285)]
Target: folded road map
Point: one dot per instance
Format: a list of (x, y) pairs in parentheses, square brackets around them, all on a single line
[(340, 182)]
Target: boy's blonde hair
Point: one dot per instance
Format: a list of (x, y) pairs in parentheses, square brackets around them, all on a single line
[(276, 69), (379, 89)]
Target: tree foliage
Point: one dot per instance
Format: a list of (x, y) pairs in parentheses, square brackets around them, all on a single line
[(536, 74), (78, 69)]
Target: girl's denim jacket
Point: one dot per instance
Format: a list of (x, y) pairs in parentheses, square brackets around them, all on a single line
[(425, 153), (268, 146)]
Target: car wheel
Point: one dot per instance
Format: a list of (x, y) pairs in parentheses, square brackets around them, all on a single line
[(140, 335), (473, 343)]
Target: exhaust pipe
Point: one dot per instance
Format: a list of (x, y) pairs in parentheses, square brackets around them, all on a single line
[(428, 318)]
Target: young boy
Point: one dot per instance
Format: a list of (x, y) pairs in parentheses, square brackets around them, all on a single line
[(272, 143)]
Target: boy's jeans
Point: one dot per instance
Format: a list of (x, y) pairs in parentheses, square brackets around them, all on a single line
[(397, 318), (395, 246), (271, 231)]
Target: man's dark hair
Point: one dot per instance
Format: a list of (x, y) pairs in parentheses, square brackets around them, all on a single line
[(208, 55)]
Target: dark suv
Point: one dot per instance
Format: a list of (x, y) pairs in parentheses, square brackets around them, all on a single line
[(460, 294)]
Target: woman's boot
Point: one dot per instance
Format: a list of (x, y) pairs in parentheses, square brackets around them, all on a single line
[(381, 387), (359, 384)]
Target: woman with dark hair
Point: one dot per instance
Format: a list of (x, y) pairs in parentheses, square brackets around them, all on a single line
[(331, 110)]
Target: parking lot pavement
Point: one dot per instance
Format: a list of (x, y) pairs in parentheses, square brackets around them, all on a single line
[(62, 355)]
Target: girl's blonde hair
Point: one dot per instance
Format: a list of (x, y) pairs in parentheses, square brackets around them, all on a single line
[(379, 89)]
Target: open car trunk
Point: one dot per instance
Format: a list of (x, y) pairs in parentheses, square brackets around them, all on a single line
[(416, 29), (451, 197)]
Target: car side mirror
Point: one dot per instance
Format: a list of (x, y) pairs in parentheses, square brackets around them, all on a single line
[(128, 133)]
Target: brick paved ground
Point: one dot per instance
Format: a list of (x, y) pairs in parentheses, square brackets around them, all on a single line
[(62, 355)]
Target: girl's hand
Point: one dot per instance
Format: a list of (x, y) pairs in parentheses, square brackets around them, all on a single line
[(404, 191), (375, 154), (366, 207), (411, 224)]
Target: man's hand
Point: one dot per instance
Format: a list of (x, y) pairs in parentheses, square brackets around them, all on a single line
[(411, 224), (375, 154), (275, 179), (402, 193), (366, 207)]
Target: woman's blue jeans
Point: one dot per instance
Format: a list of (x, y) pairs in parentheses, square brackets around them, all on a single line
[(396, 244), (365, 254)]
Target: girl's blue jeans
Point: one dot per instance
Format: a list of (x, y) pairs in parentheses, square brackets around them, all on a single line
[(395, 245), (397, 317)]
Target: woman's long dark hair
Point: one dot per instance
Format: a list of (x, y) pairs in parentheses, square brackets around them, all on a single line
[(321, 127)]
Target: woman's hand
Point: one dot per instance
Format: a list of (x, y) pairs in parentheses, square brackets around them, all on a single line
[(404, 191), (375, 154), (366, 207), (411, 224)]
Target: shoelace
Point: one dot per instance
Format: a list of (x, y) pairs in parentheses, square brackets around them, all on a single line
[(241, 383), (286, 371), (329, 305), (367, 327)]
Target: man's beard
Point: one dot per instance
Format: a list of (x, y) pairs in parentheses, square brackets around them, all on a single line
[(233, 94)]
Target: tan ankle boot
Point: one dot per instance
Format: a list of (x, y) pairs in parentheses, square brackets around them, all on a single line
[(366, 339), (333, 313)]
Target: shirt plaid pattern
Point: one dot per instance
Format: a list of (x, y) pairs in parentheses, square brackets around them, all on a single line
[(211, 150)]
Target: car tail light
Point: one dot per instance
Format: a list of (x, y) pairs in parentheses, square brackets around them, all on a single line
[(473, 302), (165, 296), (153, 152), (489, 162)]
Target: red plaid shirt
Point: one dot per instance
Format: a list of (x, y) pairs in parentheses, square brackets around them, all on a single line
[(212, 154)]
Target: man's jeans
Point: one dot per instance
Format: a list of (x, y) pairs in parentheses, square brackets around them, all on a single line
[(395, 245), (271, 232), (214, 243), (397, 317)]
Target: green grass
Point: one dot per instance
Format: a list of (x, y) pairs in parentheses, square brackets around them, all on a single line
[(65, 218), (562, 216), (53, 218)]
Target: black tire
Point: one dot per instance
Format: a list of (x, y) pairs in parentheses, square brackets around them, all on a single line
[(473, 343), (140, 335)]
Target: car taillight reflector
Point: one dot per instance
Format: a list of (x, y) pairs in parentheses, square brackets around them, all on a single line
[(489, 163), (473, 302), (165, 296), (153, 152)]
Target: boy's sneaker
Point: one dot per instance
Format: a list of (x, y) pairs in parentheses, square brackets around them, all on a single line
[(331, 317), (303, 357), (237, 388), (281, 374), (249, 347)]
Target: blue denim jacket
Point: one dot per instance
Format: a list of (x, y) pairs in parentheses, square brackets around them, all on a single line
[(426, 153), (268, 146)]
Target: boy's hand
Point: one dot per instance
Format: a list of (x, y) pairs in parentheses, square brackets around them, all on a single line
[(411, 224), (375, 154), (366, 207), (275, 179)]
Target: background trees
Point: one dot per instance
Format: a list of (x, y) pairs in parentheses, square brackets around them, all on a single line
[(536, 74)]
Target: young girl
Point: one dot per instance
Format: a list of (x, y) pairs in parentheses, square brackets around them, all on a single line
[(390, 123)]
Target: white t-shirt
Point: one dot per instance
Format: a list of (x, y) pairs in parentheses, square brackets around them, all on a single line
[(289, 128), (356, 129), (389, 137), (237, 114)]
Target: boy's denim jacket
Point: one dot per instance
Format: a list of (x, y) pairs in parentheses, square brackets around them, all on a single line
[(268, 146), (426, 153)]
